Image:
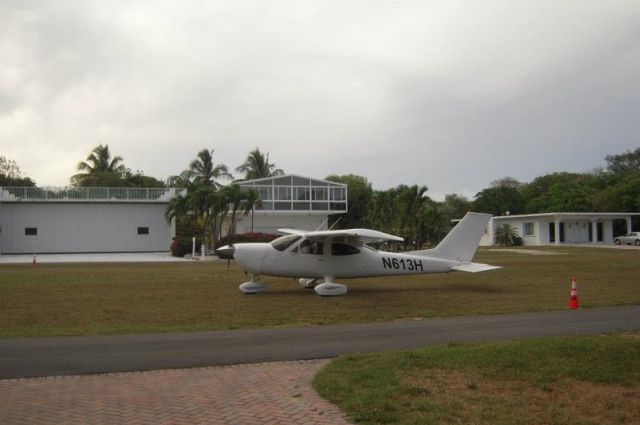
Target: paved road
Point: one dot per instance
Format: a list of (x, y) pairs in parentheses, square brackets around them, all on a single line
[(34, 357)]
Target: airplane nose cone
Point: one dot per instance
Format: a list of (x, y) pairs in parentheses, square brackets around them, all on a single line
[(226, 252)]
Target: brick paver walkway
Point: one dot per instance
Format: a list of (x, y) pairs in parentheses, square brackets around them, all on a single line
[(266, 393)]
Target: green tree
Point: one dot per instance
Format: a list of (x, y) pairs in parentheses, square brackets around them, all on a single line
[(240, 200), (498, 200), (206, 171), (562, 192), (207, 203), (571, 196), (100, 169), (433, 225), (410, 206), (381, 210), (408, 212), (10, 174), (624, 163), (455, 206), (507, 235), (138, 179), (507, 182), (183, 180), (359, 194), (624, 195), (257, 166)]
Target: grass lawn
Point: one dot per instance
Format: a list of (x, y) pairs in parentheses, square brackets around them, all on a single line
[(90, 298), (580, 380)]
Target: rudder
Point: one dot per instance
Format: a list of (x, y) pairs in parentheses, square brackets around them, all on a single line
[(462, 241)]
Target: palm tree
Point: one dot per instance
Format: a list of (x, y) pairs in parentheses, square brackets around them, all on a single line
[(240, 200), (100, 169), (203, 169), (410, 204), (507, 235), (183, 180), (257, 166)]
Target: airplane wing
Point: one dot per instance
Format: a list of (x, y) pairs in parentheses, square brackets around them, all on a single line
[(293, 232), (474, 267), (364, 235)]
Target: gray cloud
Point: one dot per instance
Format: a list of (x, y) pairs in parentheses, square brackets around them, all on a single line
[(448, 94)]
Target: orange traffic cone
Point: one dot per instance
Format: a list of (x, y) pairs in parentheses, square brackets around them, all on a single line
[(573, 297)]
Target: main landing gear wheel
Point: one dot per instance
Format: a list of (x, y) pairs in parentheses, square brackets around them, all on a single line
[(308, 283), (330, 289), (253, 286)]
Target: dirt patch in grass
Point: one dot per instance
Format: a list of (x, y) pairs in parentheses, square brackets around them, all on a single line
[(452, 397)]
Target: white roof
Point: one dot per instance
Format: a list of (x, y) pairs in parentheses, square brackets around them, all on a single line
[(570, 215), (268, 180)]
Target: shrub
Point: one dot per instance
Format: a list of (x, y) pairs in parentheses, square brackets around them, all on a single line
[(507, 235), (180, 246)]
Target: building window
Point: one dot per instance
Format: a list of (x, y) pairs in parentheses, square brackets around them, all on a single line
[(283, 193), (338, 194), (264, 193), (319, 193), (31, 231), (301, 193), (528, 230), (143, 230)]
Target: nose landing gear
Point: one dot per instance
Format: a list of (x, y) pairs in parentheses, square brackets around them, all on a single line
[(253, 286)]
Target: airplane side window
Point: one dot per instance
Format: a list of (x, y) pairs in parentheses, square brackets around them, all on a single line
[(284, 242), (311, 247), (343, 249)]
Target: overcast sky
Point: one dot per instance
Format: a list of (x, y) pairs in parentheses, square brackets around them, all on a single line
[(447, 94)]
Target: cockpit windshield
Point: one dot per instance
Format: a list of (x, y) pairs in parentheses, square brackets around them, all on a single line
[(284, 242)]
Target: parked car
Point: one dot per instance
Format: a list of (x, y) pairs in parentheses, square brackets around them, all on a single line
[(632, 238)]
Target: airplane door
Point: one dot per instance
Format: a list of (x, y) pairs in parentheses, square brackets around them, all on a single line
[(309, 256)]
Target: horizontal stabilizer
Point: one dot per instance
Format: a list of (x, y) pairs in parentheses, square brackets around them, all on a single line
[(474, 267)]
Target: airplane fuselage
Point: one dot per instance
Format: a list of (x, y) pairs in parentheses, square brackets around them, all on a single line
[(351, 262)]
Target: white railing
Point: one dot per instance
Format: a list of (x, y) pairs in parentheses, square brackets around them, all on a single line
[(152, 194)]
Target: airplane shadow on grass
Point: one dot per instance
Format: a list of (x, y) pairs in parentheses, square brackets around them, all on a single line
[(357, 289)]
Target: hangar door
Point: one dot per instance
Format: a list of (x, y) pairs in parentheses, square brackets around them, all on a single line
[(46, 227)]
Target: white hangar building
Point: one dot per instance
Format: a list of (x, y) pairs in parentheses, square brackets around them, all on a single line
[(561, 228), (74, 220), (292, 201)]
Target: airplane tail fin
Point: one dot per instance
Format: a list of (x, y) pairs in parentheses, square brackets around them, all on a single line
[(462, 241)]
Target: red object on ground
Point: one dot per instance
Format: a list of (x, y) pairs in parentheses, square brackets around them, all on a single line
[(573, 297)]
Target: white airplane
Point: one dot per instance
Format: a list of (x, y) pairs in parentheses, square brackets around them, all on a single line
[(319, 257)]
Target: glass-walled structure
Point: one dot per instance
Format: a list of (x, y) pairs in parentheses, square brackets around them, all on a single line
[(298, 194)]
